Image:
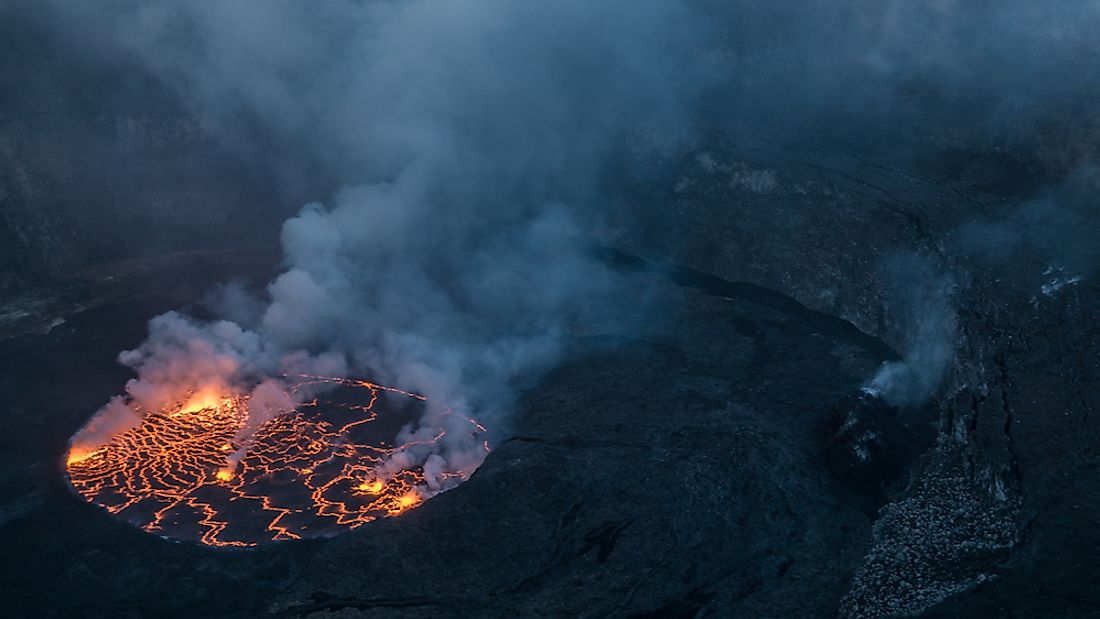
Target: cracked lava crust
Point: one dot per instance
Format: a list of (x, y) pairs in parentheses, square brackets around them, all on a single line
[(351, 455)]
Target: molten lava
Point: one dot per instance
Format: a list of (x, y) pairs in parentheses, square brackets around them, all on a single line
[(80, 454), (330, 464)]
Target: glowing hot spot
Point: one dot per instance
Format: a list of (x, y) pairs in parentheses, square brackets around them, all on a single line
[(373, 487), (80, 454), (203, 400), (187, 472)]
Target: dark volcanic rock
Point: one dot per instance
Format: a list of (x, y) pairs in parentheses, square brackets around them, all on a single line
[(697, 466), (64, 557), (868, 443), (1015, 466), (746, 484), (675, 472), (671, 474), (100, 163)]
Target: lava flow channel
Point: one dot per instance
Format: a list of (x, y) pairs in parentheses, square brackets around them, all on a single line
[(325, 466)]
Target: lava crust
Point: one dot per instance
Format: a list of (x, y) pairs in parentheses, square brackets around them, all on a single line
[(336, 462)]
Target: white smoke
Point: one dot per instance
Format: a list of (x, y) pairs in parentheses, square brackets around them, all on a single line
[(470, 139), (919, 299)]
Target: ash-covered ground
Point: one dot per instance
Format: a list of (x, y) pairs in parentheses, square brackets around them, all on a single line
[(817, 284)]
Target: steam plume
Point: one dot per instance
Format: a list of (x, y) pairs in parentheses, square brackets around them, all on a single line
[(469, 139), (469, 142), (920, 300)]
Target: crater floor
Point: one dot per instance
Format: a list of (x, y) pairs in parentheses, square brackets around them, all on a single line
[(657, 474)]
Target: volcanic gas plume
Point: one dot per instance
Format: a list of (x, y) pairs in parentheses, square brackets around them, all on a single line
[(355, 452), (443, 247)]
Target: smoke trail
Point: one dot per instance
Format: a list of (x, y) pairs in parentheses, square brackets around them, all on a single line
[(469, 138), (919, 299)]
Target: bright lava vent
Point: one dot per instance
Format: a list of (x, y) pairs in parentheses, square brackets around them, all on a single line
[(328, 465)]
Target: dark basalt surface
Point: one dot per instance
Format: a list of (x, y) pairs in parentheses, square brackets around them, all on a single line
[(999, 516), (996, 518), (869, 443), (676, 471), (700, 466), (714, 434)]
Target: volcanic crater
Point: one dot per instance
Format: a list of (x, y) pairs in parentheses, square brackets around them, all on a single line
[(344, 457)]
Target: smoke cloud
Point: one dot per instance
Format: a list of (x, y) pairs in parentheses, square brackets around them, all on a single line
[(920, 302), (469, 141), (463, 151), (913, 79)]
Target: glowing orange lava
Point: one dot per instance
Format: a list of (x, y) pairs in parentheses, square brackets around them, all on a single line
[(325, 466), (373, 487), (79, 455)]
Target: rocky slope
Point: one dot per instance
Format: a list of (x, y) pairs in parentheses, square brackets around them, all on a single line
[(699, 465), (98, 163), (1016, 441)]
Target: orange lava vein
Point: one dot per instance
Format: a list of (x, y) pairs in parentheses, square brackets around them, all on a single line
[(303, 473)]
